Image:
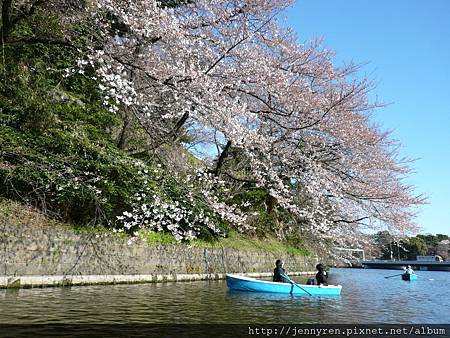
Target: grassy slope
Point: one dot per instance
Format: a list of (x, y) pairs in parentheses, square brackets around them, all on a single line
[(13, 213)]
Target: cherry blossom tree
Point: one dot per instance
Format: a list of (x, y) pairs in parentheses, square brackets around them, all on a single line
[(231, 77)]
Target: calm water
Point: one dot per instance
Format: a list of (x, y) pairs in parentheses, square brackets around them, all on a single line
[(367, 297)]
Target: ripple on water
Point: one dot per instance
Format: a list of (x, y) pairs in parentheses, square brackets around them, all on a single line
[(367, 297)]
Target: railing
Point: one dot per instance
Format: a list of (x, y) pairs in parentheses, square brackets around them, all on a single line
[(353, 250)]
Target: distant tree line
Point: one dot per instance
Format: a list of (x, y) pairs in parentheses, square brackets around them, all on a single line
[(390, 247)]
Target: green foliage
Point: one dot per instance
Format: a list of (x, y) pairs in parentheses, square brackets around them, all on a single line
[(256, 199), (77, 175), (433, 240), (403, 249), (299, 242), (152, 237), (385, 243), (57, 149), (256, 196), (95, 229), (264, 223), (416, 247)]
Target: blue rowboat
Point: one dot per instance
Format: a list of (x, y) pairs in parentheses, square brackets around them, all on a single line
[(407, 276), (241, 283)]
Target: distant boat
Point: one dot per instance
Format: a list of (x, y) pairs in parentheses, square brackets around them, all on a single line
[(407, 276), (241, 283)]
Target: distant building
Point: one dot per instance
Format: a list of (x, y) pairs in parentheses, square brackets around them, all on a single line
[(426, 258)]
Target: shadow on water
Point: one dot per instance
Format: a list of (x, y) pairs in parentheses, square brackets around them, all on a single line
[(261, 296)]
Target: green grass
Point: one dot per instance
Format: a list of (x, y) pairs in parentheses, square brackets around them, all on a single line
[(241, 242), (96, 229), (152, 237), (234, 241)]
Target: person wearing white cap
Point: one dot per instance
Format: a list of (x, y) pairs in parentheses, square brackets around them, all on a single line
[(409, 270)]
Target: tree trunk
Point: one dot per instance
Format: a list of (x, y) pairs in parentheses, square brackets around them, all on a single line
[(6, 17), (271, 203), (179, 124), (121, 143), (222, 158)]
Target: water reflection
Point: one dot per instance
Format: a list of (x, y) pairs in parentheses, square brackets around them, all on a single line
[(367, 297)]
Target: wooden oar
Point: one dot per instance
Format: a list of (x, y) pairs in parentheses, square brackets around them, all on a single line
[(394, 275), (292, 282), (411, 274)]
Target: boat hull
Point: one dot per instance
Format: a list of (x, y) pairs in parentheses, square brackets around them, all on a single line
[(409, 277), (241, 283)]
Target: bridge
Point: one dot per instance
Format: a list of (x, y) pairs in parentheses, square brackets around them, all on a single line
[(398, 265), (353, 261)]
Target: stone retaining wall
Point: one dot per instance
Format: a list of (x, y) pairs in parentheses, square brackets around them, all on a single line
[(67, 280), (49, 251)]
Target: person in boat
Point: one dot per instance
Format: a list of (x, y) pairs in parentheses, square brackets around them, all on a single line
[(311, 281), (321, 275), (409, 270), (279, 271)]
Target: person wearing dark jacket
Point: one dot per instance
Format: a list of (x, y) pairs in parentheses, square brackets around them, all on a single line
[(321, 275), (279, 271)]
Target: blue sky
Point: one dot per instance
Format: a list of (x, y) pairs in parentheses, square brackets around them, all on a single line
[(406, 44)]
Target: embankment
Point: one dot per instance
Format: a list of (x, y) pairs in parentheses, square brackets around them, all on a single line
[(38, 254)]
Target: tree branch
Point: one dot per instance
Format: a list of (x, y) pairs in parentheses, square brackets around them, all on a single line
[(351, 221), (35, 40), (240, 179)]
